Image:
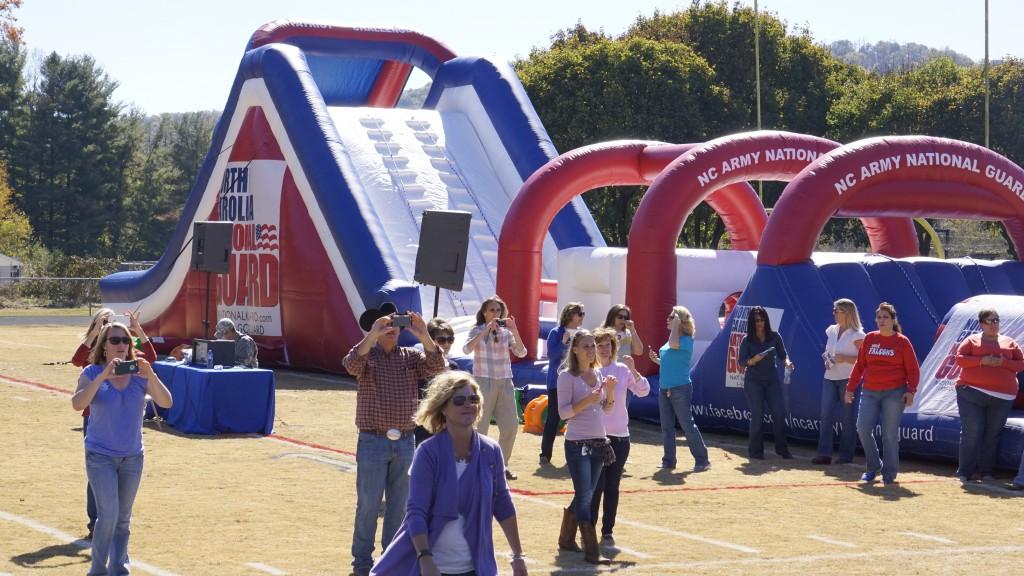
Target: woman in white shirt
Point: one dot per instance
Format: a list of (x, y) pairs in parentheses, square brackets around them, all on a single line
[(843, 342)]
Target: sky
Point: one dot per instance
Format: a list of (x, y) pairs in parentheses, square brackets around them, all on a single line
[(182, 55)]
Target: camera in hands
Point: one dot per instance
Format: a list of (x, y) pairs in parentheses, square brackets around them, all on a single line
[(127, 367), (501, 322), (401, 321)]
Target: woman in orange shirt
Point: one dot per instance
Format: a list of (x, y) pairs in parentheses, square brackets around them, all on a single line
[(985, 393)]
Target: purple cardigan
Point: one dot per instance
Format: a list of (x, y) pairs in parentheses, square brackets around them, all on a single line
[(437, 496)]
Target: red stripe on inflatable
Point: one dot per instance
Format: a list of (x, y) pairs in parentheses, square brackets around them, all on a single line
[(283, 30), (551, 187), (831, 182), (389, 85), (255, 139)]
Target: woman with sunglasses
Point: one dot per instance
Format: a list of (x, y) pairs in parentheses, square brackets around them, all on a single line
[(584, 394), (457, 486), (80, 359), (762, 352), (558, 341), (113, 444), (616, 426), (492, 342), (620, 319), (675, 394), (842, 344), (985, 393), (442, 333), (888, 366)]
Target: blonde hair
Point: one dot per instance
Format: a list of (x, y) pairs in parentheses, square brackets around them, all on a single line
[(606, 333), (97, 355), (440, 390), (572, 363), (686, 325), (850, 308), (102, 312)]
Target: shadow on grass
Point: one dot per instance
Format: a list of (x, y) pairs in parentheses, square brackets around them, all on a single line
[(43, 558)]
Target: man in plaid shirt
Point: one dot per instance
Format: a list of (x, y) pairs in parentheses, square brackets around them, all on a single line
[(386, 399)]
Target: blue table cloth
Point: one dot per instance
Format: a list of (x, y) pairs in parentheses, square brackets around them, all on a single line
[(238, 400)]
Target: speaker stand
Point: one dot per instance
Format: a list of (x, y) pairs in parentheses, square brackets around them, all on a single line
[(206, 308), (437, 296)]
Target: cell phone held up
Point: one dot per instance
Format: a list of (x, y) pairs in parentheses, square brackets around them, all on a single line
[(127, 367), (401, 321)]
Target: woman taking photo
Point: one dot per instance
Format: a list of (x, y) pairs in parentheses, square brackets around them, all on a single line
[(889, 368), (761, 352), (616, 426), (116, 397), (558, 340), (985, 393), (456, 487), (492, 341), (583, 394), (620, 319), (842, 344), (676, 391)]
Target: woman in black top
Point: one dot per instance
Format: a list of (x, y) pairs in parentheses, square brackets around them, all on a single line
[(760, 353)]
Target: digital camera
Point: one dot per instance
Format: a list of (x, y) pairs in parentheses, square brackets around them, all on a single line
[(127, 367), (501, 322), (401, 321)]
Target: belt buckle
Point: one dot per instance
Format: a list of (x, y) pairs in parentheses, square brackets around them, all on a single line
[(394, 434)]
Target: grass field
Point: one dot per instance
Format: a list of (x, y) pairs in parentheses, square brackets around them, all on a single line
[(272, 505)]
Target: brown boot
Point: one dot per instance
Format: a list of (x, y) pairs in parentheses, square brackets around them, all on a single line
[(591, 550), (567, 536)]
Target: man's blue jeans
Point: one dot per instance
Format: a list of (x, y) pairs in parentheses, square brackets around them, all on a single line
[(382, 472), (585, 464), (982, 417), (115, 482), (674, 406), (885, 406), (833, 399), (1020, 472)]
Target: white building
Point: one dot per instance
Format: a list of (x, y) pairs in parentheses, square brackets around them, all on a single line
[(9, 268)]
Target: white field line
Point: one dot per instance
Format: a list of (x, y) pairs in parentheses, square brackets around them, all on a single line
[(265, 568), (928, 537), (69, 539), (22, 399), (831, 541), (810, 559), (629, 551), (652, 528)]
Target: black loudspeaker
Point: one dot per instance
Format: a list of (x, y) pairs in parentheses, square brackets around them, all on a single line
[(444, 242), (211, 246)]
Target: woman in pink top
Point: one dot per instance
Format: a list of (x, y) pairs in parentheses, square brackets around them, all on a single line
[(984, 394), (616, 426), (583, 394)]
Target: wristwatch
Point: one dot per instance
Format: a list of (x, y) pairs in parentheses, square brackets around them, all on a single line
[(422, 553)]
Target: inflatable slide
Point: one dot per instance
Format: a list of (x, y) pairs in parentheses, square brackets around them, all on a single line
[(325, 182)]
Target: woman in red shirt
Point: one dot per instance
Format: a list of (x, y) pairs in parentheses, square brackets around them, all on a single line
[(985, 393), (888, 365)]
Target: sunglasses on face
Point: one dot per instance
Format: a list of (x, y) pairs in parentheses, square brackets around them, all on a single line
[(116, 340), (474, 399), (991, 320), (581, 313), (444, 339)]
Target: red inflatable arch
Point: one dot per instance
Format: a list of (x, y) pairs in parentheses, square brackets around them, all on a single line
[(619, 163), (763, 155), (901, 175)]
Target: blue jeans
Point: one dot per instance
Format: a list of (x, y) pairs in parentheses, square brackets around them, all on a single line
[(115, 482), (608, 485), (1020, 472), (90, 500), (382, 472), (757, 392), (833, 395), (674, 406), (585, 465), (982, 417), (885, 406)]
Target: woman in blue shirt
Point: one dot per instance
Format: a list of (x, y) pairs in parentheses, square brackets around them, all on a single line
[(113, 442), (758, 353), (676, 391)]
